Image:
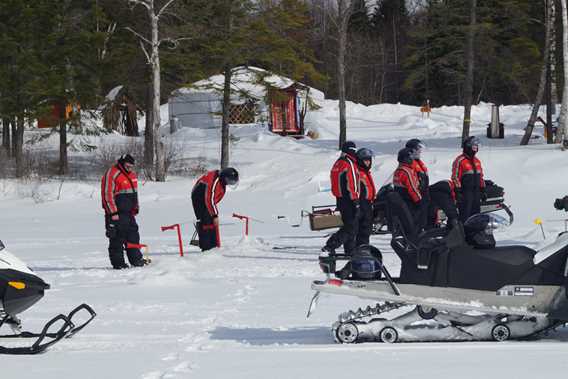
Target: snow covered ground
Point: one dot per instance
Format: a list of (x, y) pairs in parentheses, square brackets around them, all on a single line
[(239, 311)]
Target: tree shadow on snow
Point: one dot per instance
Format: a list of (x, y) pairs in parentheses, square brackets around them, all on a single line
[(267, 336)]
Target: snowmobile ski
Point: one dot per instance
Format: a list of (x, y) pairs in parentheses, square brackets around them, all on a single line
[(20, 289)]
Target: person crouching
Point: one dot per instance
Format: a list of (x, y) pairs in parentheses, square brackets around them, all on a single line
[(207, 192)]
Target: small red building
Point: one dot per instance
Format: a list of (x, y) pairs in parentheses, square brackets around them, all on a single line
[(287, 111)]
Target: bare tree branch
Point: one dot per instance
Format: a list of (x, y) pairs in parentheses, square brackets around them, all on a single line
[(145, 3), (173, 41), (110, 31), (164, 8), (145, 52), (139, 35)]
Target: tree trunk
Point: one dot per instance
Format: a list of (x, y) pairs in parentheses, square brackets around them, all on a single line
[(225, 120), (534, 114), (14, 137), (468, 87), (149, 134), (343, 20), (18, 141), (63, 160), (160, 163), (6, 135), (563, 127)]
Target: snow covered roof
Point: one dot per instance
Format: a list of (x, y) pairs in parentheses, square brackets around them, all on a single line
[(113, 93), (247, 82)]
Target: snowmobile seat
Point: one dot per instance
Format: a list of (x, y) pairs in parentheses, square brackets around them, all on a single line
[(511, 255)]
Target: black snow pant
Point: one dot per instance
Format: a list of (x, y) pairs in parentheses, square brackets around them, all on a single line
[(469, 204), (402, 216), (365, 220), (347, 234), (207, 231), (120, 233), (441, 198)]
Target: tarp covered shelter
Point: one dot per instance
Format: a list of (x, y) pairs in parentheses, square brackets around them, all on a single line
[(257, 96)]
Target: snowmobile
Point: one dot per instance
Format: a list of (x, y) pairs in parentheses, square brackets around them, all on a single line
[(494, 202), (20, 289), (454, 284)]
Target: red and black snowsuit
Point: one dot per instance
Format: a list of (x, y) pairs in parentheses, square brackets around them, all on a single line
[(367, 196), (442, 196), (119, 195), (344, 178), (207, 192), (407, 184), (422, 173), (467, 177)]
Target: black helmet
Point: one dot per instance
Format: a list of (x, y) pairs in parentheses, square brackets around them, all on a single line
[(405, 155), (229, 176), (364, 154), (416, 145), (126, 158), (470, 145), (349, 147)]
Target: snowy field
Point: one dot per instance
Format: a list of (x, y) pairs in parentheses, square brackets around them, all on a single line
[(239, 311)]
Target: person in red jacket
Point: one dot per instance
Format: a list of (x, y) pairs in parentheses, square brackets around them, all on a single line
[(119, 194), (407, 184), (207, 192), (419, 166), (344, 178), (467, 176), (366, 196)]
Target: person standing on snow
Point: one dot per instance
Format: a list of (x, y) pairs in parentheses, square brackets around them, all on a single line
[(422, 171), (344, 178), (207, 192), (467, 176), (119, 194), (366, 196)]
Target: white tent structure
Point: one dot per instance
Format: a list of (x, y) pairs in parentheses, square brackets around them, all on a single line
[(200, 105)]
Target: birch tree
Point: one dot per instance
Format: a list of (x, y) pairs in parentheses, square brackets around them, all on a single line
[(151, 48), (343, 11), (563, 129), (468, 87), (538, 101)]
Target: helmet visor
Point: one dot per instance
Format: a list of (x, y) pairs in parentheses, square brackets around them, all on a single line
[(417, 151)]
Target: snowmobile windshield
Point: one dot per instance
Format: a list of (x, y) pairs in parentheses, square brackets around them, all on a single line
[(487, 222)]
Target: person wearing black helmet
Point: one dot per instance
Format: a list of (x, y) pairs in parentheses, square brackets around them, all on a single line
[(344, 178), (366, 196), (119, 195), (467, 176), (207, 192), (419, 166)]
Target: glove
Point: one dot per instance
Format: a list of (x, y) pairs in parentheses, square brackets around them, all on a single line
[(459, 195), (135, 210), (356, 205), (111, 229)]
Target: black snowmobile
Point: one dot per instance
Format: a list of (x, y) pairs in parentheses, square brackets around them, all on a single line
[(457, 283), (20, 289), (494, 202)]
